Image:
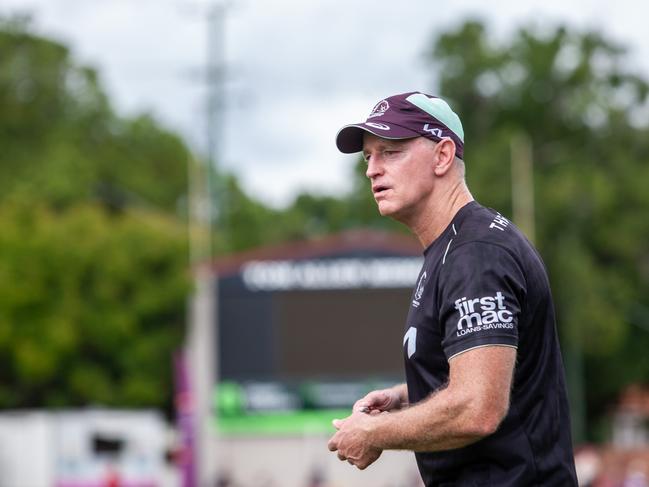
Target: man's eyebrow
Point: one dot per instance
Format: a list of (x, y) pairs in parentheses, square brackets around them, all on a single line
[(388, 144)]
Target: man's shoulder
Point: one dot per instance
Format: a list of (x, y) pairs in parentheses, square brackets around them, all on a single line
[(483, 235), (482, 225), (478, 237)]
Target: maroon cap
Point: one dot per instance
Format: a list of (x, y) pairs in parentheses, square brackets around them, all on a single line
[(405, 116)]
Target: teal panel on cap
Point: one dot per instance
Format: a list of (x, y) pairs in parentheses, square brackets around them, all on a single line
[(439, 109)]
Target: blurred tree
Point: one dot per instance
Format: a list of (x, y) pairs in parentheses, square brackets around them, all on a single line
[(62, 143), (242, 221), (93, 251), (586, 116), (91, 306), (245, 222)]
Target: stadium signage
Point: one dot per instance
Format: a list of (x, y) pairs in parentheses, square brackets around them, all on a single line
[(342, 273)]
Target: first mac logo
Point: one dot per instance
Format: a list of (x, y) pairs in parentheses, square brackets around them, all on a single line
[(487, 310)]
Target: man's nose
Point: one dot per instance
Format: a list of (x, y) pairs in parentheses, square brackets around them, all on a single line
[(373, 168)]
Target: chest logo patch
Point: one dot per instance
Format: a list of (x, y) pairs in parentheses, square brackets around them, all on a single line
[(419, 292)]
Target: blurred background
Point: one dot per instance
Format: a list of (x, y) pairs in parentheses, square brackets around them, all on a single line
[(194, 282)]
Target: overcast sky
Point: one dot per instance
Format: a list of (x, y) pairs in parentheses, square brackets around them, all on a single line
[(296, 70)]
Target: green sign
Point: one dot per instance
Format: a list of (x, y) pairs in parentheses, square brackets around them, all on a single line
[(277, 408)]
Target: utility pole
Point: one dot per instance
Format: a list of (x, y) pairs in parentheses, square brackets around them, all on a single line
[(522, 169), (202, 337), (215, 77), (523, 185)]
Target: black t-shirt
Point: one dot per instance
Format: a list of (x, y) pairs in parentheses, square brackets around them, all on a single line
[(482, 284)]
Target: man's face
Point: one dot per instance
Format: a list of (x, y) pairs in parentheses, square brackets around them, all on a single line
[(401, 173)]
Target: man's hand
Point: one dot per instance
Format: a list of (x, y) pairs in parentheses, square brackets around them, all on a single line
[(382, 400), (352, 441)]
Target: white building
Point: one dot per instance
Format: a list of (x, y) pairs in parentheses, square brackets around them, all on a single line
[(84, 448)]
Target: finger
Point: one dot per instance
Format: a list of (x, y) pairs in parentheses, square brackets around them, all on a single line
[(375, 399), (361, 406), (332, 445), (341, 457)]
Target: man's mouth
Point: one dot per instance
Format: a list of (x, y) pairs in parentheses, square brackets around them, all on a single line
[(379, 189)]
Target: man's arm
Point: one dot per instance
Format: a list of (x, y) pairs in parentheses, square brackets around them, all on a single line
[(469, 408)]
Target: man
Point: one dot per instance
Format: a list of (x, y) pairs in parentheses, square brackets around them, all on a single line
[(484, 401)]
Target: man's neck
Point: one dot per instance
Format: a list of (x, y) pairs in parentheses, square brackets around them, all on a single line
[(439, 213)]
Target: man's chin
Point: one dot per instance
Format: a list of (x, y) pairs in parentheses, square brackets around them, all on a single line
[(393, 212), (386, 209)]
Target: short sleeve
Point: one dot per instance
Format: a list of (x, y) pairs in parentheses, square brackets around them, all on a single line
[(480, 288)]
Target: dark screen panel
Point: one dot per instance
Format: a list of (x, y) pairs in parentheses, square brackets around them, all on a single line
[(246, 337), (345, 334)]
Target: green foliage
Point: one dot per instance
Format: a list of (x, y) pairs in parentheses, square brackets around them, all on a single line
[(90, 305), (571, 94), (93, 247), (62, 143), (245, 223)]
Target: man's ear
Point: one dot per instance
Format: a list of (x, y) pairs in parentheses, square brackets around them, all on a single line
[(444, 156)]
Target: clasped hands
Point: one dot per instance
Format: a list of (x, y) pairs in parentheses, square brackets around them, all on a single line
[(355, 435)]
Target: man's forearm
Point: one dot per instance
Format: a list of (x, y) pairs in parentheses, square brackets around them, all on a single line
[(441, 422), (469, 408)]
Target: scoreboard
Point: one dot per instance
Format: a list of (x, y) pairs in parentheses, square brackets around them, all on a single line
[(304, 331)]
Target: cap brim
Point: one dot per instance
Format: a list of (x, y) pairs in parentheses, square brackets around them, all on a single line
[(350, 138)]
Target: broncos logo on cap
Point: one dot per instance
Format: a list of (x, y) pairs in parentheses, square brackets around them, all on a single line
[(379, 109)]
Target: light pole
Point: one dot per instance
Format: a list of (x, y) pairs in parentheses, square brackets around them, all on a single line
[(202, 337)]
